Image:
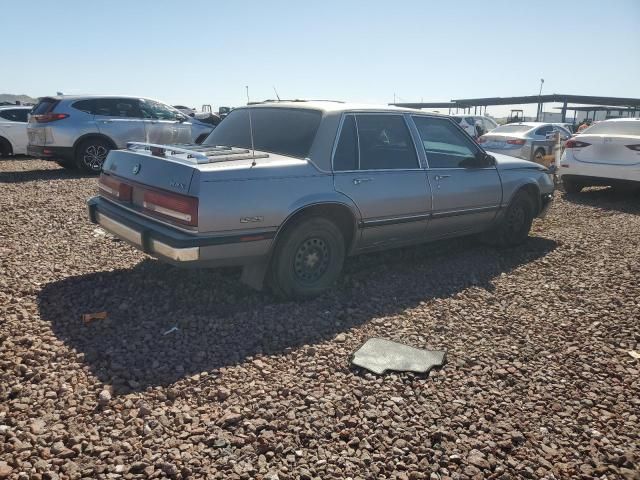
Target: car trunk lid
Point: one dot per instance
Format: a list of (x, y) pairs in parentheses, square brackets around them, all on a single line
[(621, 150)]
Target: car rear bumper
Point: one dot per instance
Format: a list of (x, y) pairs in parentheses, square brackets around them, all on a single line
[(50, 153), (176, 246), (588, 180)]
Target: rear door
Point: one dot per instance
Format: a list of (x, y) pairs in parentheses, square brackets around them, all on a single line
[(376, 164), (465, 184), (120, 119), (164, 125)]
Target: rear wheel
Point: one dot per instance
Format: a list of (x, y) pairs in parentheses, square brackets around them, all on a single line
[(91, 154), (308, 258), (570, 186), (538, 156), (5, 148)]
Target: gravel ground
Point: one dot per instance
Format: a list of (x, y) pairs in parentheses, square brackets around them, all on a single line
[(539, 380)]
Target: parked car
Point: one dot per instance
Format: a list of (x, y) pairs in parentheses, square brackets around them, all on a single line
[(525, 140), (79, 131), (607, 153), (188, 111), (475, 125), (326, 180), (13, 130)]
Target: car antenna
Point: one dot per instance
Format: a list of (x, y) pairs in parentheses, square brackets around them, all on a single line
[(277, 96), (253, 150)]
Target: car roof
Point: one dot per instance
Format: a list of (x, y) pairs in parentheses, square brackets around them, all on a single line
[(88, 97), (333, 106)]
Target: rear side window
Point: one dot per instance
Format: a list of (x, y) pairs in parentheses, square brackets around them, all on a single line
[(287, 131), (615, 128), (15, 115), (543, 131), (458, 120), (385, 143), (88, 106), (346, 154), (45, 105), (118, 107)]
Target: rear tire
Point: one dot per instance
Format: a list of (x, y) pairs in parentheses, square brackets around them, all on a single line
[(538, 156), (571, 187), (308, 258), (5, 148), (514, 227), (91, 154)]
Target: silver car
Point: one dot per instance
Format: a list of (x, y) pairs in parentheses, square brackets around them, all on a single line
[(326, 180), (79, 131), (526, 140)]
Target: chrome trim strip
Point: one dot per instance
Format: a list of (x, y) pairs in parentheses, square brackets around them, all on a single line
[(119, 229), (425, 216), (395, 220), (455, 213)]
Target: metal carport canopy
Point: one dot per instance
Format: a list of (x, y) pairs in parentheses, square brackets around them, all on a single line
[(555, 97)]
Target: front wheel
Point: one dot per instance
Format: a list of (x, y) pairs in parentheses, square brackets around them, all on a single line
[(91, 154), (516, 223), (308, 258)]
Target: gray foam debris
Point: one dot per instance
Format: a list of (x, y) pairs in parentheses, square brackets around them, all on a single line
[(379, 355)]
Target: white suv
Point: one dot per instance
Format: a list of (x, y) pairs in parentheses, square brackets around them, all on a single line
[(607, 153), (475, 125)]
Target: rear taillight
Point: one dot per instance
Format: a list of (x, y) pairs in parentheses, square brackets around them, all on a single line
[(114, 188), (179, 208), (516, 141), (482, 140), (49, 117), (575, 144), (635, 148)]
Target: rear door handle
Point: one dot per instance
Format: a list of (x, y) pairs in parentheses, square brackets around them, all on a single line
[(358, 181), (441, 177)]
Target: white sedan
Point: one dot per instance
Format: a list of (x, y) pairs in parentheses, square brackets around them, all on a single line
[(607, 153), (13, 130)]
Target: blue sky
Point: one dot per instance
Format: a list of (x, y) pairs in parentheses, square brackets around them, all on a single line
[(200, 51)]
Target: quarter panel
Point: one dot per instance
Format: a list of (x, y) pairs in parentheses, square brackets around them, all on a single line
[(259, 203)]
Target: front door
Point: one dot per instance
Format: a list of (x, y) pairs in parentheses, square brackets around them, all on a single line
[(376, 165), (120, 119), (163, 124), (466, 187)]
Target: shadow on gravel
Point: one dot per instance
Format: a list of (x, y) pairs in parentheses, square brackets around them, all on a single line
[(222, 323), (607, 199), (41, 174)]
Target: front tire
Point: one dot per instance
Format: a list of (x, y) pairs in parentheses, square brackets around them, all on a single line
[(91, 154), (308, 258), (516, 223), (571, 187)]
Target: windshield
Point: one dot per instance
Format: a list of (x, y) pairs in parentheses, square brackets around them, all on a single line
[(287, 131), (614, 128), (512, 129)]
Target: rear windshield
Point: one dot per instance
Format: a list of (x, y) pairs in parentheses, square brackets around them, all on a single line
[(512, 129), (287, 131), (615, 128), (44, 106)]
